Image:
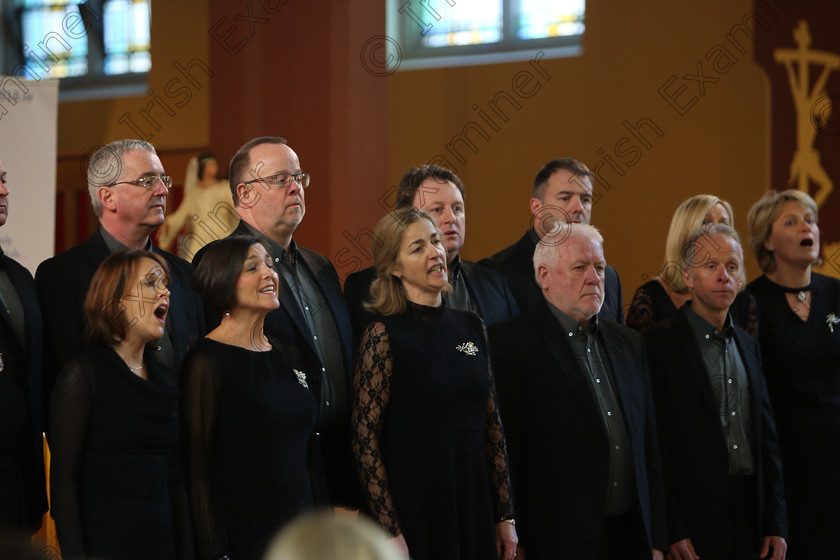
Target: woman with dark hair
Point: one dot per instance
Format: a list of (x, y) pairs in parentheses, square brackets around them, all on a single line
[(247, 412), (428, 437), (114, 420), (799, 326)]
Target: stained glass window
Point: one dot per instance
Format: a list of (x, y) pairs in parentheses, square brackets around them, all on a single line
[(450, 28), (73, 38)]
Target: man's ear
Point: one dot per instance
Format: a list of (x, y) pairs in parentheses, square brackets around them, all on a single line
[(248, 195), (535, 204), (688, 277), (107, 198), (542, 274)]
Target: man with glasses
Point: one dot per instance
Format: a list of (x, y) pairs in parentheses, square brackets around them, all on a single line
[(128, 189), (267, 186)]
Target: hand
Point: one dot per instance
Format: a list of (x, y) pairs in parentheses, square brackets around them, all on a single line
[(657, 554), (399, 540), (778, 545), (683, 550), (506, 540)]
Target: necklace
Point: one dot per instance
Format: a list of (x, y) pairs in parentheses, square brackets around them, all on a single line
[(801, 293), (134, 368)]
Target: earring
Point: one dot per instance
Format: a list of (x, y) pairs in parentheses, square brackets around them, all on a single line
[(227, 313)]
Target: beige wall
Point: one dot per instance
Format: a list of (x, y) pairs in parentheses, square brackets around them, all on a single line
[(578, 108), (179, 35)]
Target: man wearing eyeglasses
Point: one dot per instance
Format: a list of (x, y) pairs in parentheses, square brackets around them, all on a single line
[(267, 186), (128, 189)]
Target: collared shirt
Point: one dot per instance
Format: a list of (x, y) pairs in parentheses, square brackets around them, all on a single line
[(313, 306), (12, 304), (587, 347), (730, 386), (164, 350), (459, 297)]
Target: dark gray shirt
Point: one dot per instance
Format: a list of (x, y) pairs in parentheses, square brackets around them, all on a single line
[(459, 297), (12, 304), (730, 386), (335, 396), (163, 350), (587, 348)]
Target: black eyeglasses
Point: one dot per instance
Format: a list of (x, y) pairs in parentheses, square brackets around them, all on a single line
[(283, 180), (149, 182)]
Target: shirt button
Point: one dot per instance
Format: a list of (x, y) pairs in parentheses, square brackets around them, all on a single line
[(618, 446), (323, 369), (276, 259), (157, 347), (609, 413), (315, 337), (735, 446), (729, 381), (597, 381), (571, 334), (589, 350), (732, 413), (306, 307), (615, 484), (328, 403), (707, 337)]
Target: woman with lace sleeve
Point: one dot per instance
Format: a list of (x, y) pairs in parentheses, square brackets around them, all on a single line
[(115, 421), (660, 298), (427, 433), (247, 413)]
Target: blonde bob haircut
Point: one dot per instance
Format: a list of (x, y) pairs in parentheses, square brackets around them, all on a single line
[(327, 536), (387, 295), (688, 216), (761, 218)]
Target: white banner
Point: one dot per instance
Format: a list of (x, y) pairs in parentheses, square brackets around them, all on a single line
[(28, 136)]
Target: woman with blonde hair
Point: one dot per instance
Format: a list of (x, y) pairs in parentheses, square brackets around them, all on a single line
[(427, 433), (327, 536), (659, 298), (799, 312)]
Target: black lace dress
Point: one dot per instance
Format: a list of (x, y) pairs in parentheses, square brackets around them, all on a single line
[(802, 366), (651, 303), (246, 420), (428, 435)]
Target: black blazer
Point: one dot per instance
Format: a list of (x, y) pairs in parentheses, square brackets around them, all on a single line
[(63, 283), (694, 455), (288, 324), (516, 265), (486, 287), (557, 443), (21, 418)]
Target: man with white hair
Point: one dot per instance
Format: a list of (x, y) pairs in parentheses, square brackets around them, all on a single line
[(578, 414)]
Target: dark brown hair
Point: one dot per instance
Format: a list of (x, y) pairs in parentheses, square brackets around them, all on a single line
[(104, 310), (241, 161), (217, 272)]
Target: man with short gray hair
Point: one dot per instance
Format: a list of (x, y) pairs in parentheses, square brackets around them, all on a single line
[(578, 414), (128, 188), (720, 455)]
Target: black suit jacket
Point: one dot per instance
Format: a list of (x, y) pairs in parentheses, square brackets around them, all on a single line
[(486, 287), (557, 442), (516, 264), (694, 453), (21, 420), (288, 324), (63, 283)]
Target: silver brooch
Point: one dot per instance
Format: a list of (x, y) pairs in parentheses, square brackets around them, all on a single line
[(301, 378), (831, 319), (467, 348)]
